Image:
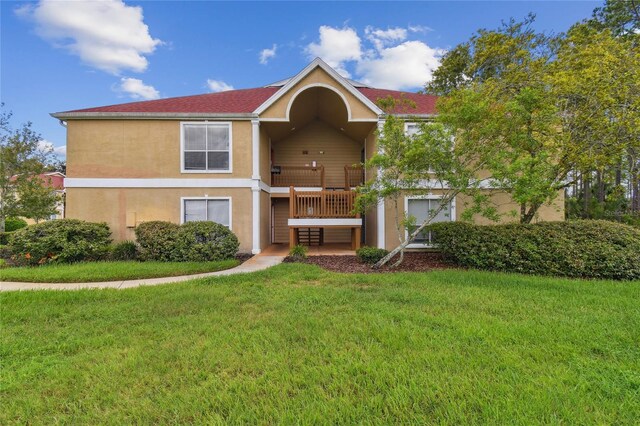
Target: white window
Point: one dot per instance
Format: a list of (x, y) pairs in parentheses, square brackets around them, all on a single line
[(207, 209), (206, 147), (411, 129), (422, 208)]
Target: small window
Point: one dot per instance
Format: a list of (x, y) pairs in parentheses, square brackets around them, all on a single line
[(206, 147), (411, 129), (421, 209), (216, 210)]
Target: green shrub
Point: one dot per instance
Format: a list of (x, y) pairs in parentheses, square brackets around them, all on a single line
[(370, 255), (3, 264), (5, 237), (205, 241), (14, 223), (64, 240), (581, 249), (124, 250), (157, 240), (298, 252), (5, 252)]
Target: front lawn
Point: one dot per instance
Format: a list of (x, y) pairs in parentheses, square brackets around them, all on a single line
[(109, 271), (297, 344)]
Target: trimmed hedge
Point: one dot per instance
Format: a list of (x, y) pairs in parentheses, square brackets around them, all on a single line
[(124, 250), (190, 242), (157, 240), (64, 241), (370, 255), (580, 249), (205, 241), (14, 223)]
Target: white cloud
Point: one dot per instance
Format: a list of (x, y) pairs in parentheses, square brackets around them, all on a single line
[(419, 28), (107, 35), (47, 146), (218, 86), (386, 58), (336, 46), (381, 38), (136, 89), (267, 54), (405, 66)]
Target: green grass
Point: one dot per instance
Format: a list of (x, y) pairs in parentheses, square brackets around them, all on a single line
[(296, 344), (109, 271)]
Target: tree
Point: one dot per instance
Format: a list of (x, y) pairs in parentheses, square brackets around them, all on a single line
[(418, 165), (505, 100), (596, 82), (621, 17), (38, 201), (21, 158)]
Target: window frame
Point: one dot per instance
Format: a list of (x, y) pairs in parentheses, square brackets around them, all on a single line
[(183, 200), (228, 124), (407, 124), (452, 214)]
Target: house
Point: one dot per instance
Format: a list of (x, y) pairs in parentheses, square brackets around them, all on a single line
[(276, 164)]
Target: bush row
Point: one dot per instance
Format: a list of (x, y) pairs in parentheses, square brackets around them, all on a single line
[(65, 241), (584, 249), (72, 240), (192, 241)]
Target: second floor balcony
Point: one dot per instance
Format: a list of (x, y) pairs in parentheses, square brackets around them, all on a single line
[(315, 177)]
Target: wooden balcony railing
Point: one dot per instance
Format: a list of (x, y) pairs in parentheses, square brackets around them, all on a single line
[(353, 176), (321, 204), (298, 176)]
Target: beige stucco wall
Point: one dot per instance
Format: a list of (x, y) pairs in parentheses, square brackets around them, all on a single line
[(501, 200), (142, 149), (278, 109), (112, 205)]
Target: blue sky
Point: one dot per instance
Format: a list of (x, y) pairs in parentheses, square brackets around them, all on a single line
[(58, 56)]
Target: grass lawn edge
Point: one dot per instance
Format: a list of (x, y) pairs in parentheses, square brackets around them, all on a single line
[(89, 272)]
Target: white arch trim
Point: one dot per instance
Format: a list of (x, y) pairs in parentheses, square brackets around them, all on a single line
[(317, 62)]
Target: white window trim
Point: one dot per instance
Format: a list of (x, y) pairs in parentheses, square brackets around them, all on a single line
[(230, 127), (407, 124), (183, 199), (452, 214)]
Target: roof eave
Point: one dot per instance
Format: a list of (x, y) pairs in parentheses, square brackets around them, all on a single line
[(152, 115)]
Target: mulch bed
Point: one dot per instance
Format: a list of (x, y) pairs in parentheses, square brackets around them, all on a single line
[(413, 262), (243, 257)]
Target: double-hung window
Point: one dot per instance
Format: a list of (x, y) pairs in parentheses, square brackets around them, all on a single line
[(206, 147), (422, 209), (207, 209)]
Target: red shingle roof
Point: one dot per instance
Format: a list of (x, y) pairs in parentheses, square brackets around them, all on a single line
[(424, 104), (232, 101), (247, 101)]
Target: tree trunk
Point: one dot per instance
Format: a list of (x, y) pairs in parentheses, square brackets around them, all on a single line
[(523, 212), (586, 196), (530, 214), (600, 189), (2, 226)]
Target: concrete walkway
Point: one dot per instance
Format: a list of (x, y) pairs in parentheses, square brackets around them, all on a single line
[(256, 263)]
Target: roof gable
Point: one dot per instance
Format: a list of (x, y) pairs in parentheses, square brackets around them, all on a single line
[(305, 78)]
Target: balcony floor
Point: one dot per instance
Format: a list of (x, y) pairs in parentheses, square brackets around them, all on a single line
[(329, 249)]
